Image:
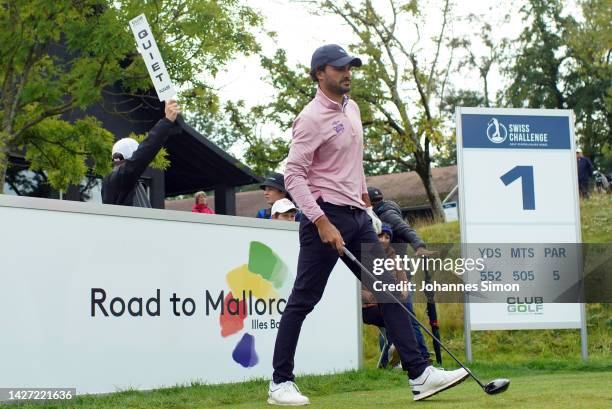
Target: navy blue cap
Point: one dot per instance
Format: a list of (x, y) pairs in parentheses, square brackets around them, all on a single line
[(387, 229), (275, 180), (375, 194), (334, 55)]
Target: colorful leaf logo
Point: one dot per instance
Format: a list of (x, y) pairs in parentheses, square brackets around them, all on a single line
[(261, 277)]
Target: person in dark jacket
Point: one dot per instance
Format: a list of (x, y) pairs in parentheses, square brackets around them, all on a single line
[(390, 213), (130, 160), (585, 171), (274, 190)]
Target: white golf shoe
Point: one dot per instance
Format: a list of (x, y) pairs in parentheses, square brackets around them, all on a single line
[(434, 380), (286, 394)]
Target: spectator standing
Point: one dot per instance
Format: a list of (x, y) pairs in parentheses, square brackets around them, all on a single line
[(274, 190), (390, 213), (370, 311), (130, 160), (585, 171), (201, 204)]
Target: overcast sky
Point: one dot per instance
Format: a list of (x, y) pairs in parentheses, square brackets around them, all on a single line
[(299, 32)]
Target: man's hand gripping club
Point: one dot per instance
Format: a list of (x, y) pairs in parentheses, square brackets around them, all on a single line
[(329, 234)]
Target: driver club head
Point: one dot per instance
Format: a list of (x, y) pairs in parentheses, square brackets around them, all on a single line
[(497, 386), (492, 388)]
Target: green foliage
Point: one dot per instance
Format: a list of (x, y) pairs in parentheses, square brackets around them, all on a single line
[(606, 159), (590, 79), (265, 152), (61, 149), (564, 63), (536, 69), (58, 58), (447, 151), (400, 124), (294, 90)]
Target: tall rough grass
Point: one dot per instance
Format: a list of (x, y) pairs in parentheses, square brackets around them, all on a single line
[(520, 346)]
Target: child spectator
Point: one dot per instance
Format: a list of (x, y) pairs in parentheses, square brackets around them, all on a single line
[(284, 209), (371, 313)]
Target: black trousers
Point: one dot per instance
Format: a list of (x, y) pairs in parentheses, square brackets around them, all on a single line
[(583, 188), (315, 263)]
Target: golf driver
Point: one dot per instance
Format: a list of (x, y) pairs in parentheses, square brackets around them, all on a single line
[(494, 387)]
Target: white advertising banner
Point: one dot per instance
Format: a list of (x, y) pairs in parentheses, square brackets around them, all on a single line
[(104, 298), (518, 184)]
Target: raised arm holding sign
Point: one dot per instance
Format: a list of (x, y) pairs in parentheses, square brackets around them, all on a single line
[(130, 159), (147, 47)]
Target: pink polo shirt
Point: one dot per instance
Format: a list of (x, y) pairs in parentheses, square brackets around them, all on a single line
[(326, 156)]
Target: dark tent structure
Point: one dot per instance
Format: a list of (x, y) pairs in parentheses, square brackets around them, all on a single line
[(196, 163), (199, 164)]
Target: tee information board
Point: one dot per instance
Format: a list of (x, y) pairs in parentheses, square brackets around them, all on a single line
[(519, 210)]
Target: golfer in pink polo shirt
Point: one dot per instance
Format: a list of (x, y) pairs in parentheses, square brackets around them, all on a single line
[(325, 177)]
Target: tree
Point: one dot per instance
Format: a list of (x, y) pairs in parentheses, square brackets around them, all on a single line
[(446, 154), (492, 52), (294, 90), (396, 89), (403, 123), (536, 73), (590, 78), (60, 57), (482, 53), (564, 63)]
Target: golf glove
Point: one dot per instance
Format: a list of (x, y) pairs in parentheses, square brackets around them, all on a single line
[(376, 223)]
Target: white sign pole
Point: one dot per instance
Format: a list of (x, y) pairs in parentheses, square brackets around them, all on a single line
[(147, 47)]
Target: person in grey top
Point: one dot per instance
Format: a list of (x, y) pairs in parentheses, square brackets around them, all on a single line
[(390, 213)]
